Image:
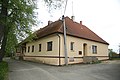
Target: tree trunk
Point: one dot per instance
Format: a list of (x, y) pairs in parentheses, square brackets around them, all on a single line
[(1, 39), (3, 17), (2, 50), (1, 33)]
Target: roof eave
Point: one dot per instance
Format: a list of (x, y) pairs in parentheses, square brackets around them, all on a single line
[(85, 38)]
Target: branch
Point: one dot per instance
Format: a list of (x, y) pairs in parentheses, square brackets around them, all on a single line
[(10, 13), (15, 9)]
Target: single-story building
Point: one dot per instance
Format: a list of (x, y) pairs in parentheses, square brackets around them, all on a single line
[(48, 48)]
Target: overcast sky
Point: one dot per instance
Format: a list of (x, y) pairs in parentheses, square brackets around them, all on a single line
[(101, 16)]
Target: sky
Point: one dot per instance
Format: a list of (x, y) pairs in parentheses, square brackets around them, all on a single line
[(101, 16)]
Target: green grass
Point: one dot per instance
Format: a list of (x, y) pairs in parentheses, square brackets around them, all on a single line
[(115, 58), (3, 70)]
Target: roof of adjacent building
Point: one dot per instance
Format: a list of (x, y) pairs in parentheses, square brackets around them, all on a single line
[(72, 28)]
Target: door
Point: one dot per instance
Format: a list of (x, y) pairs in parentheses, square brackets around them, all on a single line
[(84, 49)]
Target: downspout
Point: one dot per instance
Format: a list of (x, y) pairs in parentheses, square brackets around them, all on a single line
[(59, 49)]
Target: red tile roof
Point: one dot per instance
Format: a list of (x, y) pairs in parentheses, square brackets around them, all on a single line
[(72, 28)]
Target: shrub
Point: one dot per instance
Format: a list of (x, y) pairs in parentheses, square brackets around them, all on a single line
[(3, 70)]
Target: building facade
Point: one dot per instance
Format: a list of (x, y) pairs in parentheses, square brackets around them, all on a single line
[(48, 48)]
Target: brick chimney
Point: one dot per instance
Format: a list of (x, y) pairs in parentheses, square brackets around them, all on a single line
[(80, 22), (49, 22), (73, 18)]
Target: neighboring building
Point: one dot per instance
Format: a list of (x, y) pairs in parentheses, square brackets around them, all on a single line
[(49, 46)]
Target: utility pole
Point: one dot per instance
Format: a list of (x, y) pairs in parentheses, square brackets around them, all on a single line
[(64, 27), (65, 45), (119, 50)]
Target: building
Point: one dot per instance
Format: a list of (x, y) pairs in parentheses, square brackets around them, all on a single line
[(48, 48)]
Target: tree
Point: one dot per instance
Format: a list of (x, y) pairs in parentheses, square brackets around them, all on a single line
[(11, 43), (16, 19), (112, 54)]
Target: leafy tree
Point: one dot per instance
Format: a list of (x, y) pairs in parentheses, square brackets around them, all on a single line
[(11, 43), (112, 54), (16, 19)]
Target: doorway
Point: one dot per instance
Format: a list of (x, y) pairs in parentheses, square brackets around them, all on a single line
[(84, 49)]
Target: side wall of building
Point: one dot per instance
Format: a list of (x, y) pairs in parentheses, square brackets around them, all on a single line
[(44, 56), (76, 55)]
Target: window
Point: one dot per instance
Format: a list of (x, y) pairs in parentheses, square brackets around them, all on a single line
[(49, 46), (32, 48), (94, 49), (80, 52), (39, 47), (71, 46), (25, 49), (28, 48)]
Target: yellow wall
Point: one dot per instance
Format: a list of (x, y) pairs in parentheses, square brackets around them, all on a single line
[(43, 43), (52, 61), (102, 50), (44, 52)]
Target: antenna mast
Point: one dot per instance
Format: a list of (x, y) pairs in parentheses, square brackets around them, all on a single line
[(72, 17), (72, 9)]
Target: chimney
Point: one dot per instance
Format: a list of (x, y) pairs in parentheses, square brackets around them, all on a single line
[(73, 18), (49, 22), (80, 22)]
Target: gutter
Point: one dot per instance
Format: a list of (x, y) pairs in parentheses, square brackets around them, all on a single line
[(59, 49)]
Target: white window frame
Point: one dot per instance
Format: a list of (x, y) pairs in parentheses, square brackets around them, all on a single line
[(50, 46), (94, 49)]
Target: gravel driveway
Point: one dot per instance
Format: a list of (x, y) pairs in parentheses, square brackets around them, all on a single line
[(23, 70)]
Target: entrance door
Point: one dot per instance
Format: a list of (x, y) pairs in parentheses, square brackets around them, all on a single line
[(84, 49)]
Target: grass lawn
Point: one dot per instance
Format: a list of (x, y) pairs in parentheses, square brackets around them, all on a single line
[(115, 59), (3, 70)]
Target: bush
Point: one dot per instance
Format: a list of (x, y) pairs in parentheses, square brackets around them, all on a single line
[(3, 70), (96, 62)]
